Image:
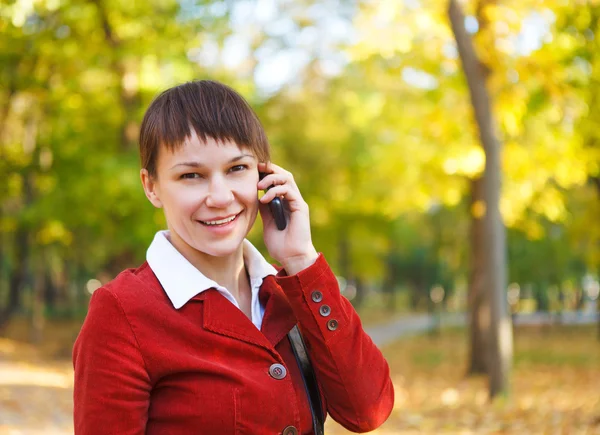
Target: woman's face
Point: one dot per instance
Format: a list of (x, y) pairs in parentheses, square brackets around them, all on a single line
[(208, 193)]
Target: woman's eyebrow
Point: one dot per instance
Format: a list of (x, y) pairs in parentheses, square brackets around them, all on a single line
[(202, 165)]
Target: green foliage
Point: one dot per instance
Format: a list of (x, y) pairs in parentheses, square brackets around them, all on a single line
[(384, 160)]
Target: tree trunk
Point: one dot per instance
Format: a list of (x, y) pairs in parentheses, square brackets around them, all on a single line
[(360, 292), (128, 92), (390, 279), (345, 262), (478, 300), (19, 273), (596, 181), (495, 263), (2, 260), (37, 303), (18, 277), (51, 291)]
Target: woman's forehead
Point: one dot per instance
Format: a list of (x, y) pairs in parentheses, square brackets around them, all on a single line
[(207, 152)]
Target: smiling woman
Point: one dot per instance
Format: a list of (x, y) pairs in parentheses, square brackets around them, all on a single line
[(194, 340), (208, 190)]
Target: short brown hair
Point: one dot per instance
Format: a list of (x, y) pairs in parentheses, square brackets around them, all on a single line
[(212, 109)]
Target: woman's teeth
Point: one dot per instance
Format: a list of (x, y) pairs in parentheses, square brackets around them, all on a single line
[(219, 222)]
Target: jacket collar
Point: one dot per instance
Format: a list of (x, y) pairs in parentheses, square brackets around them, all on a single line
[(223, 319), (181, 281)]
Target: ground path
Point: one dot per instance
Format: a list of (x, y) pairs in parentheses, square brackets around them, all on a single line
[(36, 396)]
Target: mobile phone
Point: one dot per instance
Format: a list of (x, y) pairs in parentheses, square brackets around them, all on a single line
[(276, 207)]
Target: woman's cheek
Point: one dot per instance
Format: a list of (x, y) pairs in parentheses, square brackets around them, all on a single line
[(190, 199)]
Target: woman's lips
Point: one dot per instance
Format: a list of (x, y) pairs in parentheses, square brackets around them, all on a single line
[(220, 227)]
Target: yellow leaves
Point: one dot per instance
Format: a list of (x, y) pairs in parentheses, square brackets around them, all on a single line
[(45, 183), (94, 79), (319, 213), (159, 218), (21, 9), (363, 109), (7, 224), (150, 75), (511, 109), (567, 174), (340, 192), (515, 160), (470, 163), (14, 184), (566, 42), (74, 101), (380, 33), (388, 28), (54, 231), (534, 231), (53, 5), (478, 209), (452, 196)]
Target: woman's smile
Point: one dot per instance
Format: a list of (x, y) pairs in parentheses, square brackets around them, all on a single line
[(220, 225)]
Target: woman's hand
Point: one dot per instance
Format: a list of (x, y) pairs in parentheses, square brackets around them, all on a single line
[(291, 247)]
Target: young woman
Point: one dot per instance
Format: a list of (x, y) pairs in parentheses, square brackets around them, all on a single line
[(194, 341)]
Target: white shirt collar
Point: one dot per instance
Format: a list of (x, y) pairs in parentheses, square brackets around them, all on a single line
[(182, 281)]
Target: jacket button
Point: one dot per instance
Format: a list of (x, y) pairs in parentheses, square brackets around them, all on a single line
[(332, 325), (325, 310), (277, 371), (316, 296), (290, 430)]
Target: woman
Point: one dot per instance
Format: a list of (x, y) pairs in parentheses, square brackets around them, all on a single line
[(194, 341)]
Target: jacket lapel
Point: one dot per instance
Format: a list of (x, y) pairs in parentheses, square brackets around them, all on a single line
[(224, 318), (279, 317)]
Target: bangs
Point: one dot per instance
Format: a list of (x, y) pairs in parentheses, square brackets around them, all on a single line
[(211, 109)]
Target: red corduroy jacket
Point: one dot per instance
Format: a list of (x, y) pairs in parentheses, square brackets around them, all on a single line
[(143, 367)]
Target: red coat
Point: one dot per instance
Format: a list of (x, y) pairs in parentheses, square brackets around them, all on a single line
[(141, 366)]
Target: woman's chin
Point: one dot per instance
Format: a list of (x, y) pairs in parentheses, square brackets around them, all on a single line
[(223, 248)]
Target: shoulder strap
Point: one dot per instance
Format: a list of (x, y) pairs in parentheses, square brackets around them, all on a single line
[(308, 376)]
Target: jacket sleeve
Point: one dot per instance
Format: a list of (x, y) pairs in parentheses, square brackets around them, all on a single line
[(112, 386), (352, 373)]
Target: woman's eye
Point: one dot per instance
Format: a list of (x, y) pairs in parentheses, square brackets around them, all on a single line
[(238, 168), (190, 175)]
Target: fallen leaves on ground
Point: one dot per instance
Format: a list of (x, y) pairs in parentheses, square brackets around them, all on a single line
[(36, 396), (555, 386)]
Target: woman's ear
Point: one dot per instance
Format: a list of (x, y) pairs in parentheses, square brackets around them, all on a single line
[(150, 188)]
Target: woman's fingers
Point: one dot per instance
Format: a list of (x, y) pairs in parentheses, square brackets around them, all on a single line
[(293, 201), (273, 180), (281, 183), (270, 168), (282, 191)]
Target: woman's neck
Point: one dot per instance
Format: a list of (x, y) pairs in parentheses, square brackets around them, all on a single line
[(228, 271)]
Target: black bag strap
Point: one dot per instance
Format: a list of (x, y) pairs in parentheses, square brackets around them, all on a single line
[(310, 382)]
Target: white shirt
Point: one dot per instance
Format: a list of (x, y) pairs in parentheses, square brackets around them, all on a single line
[(182, 281)]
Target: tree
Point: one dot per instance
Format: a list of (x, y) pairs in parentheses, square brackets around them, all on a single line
[(494, 233), (79, 77)]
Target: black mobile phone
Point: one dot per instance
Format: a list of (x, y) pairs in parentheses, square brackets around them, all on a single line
[(276, 207)]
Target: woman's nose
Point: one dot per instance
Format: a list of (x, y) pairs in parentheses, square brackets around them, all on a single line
[(220, 194)]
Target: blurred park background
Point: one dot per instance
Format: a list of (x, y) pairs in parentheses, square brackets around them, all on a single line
[(385, 112)]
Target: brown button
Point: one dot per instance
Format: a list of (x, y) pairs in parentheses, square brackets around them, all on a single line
[(290, 430), (316, 296), (325, 310), (332, 325), (277, 371)]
